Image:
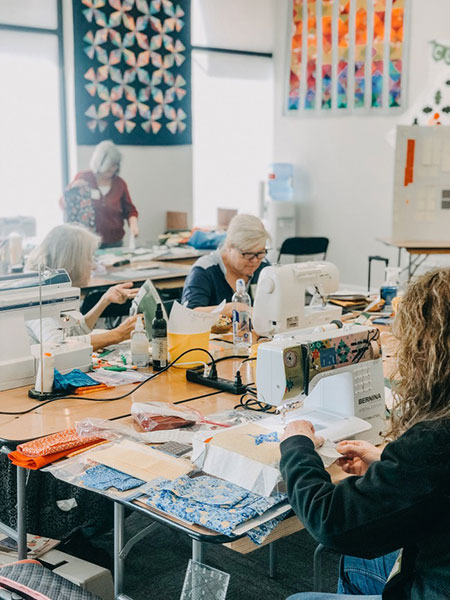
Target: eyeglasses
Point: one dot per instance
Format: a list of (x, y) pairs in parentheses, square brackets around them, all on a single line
[(252, 255)]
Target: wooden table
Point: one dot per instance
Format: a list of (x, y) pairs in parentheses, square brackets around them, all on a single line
[(170, 386), (163, 274), (418, 251)]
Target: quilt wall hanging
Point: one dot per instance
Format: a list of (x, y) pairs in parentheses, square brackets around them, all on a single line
[(132, 71), (347, 56)]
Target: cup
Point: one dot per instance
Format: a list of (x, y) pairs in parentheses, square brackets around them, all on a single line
[(180, 342)]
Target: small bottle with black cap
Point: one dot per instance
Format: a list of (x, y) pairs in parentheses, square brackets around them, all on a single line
[(159, 340)]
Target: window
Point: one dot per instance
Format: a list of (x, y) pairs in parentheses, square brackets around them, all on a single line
[(33, 152), (232, 105)]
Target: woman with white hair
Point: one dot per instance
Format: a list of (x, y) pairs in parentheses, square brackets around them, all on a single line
[(99, 198), (242, 256), (72, 247)]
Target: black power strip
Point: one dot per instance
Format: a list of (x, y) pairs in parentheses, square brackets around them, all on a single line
[(218, 383)]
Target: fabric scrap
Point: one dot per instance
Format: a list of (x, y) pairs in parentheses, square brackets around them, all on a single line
[(37, 462), (220, 518), (56, 442), (71, 381), (103, 478), (265, 437), (259, 534)]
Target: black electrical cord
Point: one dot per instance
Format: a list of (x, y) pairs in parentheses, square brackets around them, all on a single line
[(177, 402), (41, 404), (252, 403)]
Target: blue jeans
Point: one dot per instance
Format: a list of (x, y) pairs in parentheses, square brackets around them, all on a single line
[(359, 579)]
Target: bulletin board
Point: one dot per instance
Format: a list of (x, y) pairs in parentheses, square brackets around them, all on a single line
[(132, 71), (421, 210), (347, 56)]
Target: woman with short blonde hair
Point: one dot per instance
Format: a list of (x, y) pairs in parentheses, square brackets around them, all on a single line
[(72, 248), (243, 256)]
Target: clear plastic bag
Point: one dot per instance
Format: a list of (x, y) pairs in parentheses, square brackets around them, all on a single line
[(154, 416), (108, 430)]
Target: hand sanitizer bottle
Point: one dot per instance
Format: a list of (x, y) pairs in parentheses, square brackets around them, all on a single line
[(139, 344), (241, 318)]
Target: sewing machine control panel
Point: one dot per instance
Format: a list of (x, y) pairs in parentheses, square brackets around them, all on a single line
[(343, 350), (362, 380)]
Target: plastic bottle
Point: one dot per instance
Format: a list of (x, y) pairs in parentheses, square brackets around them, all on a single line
[(241, 318), (389, 289), (159, 340), (139, 344)]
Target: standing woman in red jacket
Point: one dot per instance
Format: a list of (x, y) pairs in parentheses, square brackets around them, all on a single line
[(99, 198)]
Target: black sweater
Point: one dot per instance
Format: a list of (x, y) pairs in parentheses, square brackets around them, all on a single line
[(403, 501)]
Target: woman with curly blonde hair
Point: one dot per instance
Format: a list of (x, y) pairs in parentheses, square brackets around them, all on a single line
[(392, 518)]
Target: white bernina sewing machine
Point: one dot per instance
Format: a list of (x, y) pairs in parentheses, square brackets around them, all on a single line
[(24, 297), (333, 373), (280, 297)]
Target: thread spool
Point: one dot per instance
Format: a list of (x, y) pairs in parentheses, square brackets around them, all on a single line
[(44, 378), (15, 249)]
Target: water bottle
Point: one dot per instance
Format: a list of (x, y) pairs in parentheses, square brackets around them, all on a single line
[(241, 318), (139, 345), (389, 289), (159, 340)]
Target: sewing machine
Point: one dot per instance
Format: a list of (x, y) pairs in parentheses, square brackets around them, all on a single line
[(23, 297), (280, 297), (328, 375)]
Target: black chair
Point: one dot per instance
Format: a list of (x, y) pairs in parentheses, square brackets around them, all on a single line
[(304, 246)]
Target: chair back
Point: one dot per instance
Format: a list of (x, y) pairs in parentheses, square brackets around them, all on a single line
[(304, 246)]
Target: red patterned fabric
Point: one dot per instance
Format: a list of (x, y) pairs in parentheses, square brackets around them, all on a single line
[(57, 442)]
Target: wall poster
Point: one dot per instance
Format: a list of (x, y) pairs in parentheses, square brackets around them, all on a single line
[(347, 56), (132, 71)]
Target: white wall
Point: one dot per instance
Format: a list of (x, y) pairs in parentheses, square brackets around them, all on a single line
[(159, 177), (344, 165), (233, 105)]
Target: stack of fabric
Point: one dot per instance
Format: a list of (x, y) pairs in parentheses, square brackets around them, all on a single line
[(215, 504), (43, 451)]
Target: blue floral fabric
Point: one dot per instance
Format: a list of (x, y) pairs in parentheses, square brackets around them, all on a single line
[(101, 477), (259, 534), (215, 504), (265, 437)]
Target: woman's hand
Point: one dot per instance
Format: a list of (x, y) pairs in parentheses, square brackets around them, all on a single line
[(119, 294), (125, 329), (357, 456), (133, 225), (113, 336), (230, 306), (302, 428)]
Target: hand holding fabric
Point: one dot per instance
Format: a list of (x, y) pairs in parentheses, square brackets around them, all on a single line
[(358, 455), (305, 428)]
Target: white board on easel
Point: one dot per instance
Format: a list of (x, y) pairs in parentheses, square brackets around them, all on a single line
[(421, 209)]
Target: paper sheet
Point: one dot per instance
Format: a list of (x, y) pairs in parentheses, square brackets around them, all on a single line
[(140, 461), (184, 320), (232, 457)]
